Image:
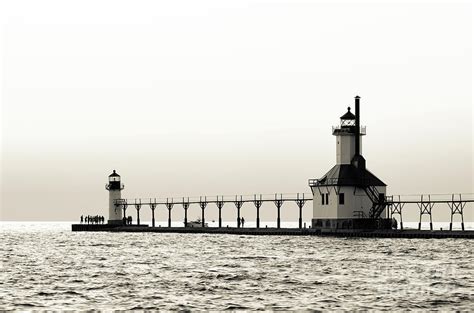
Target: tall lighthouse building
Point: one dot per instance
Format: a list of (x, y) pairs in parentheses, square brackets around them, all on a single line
[(348, 196), (114, 186)]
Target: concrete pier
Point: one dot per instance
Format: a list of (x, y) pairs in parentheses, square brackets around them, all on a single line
[(408, 233)]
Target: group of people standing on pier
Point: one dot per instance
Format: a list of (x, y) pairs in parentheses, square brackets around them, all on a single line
[(99, 219), (89, 219), (127, 220)]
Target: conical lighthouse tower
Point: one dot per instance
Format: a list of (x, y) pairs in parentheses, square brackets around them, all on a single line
[(348, 196), (114, 187)]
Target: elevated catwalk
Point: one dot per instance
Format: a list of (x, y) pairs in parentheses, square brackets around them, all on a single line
[(424, 204), (239, 200)]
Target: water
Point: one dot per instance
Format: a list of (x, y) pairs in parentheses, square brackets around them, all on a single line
[(45, 265)]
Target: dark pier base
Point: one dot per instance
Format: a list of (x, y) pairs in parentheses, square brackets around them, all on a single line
[(278, 231), (195, 230), (108, 227), (407, 233)]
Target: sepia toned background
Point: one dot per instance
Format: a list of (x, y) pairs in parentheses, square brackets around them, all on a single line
[(189, 98)]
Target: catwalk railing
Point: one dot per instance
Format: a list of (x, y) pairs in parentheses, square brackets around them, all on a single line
[(393, 205), (425, 203), (238, 201)]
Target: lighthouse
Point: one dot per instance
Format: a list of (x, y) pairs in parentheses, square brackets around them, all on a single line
[(114, 186), (348, 196)]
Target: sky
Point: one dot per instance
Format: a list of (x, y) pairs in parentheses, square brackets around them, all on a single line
[(190, 98)]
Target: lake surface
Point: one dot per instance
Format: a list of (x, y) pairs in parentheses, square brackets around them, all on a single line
[(46, 266)]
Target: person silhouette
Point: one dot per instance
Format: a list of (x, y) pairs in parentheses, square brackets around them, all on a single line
[(243, 221), (82, 219)]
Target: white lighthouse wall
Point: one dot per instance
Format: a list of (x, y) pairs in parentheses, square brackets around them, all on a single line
[(355, 199), (115, 214), (345, 148), (326, 210)]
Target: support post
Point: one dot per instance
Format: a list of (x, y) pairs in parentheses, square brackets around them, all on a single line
[(220, 204), (300, 203), (258, 203), (185, 207), (457, 207), (451, 222), (153, 207), (401, 218), (431, 221), (138, 206), (396, 208), (419, 223), (425, 208), (124, 213), (203, 205), (278, 203), (238, 205), (169, 206)]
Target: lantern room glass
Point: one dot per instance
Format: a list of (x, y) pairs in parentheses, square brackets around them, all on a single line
[(114, 178), (347, 122)]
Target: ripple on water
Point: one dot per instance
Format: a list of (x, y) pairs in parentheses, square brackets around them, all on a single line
[(51, 267)]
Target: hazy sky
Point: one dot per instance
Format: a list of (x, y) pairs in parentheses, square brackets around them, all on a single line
[(227, 97)]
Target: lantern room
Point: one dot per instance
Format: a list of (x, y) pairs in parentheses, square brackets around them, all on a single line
[(114, 182)]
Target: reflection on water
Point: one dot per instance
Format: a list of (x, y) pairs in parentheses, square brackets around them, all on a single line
[(45, 265)]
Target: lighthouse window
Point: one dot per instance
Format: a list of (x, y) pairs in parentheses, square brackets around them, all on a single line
[(114, 178), (381, 197), (324, 198), (341, 198)]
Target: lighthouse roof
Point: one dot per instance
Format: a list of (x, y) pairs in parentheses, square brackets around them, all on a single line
[(349, 175), (348, 115), (114, 174)]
